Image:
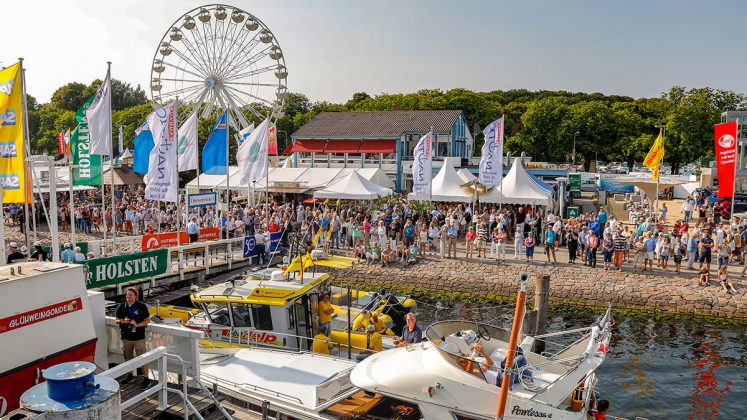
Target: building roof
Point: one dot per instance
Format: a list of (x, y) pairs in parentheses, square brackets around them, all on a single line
[(377, 124)]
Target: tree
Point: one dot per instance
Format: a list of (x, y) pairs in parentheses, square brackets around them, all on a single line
[(690, 128), (71, 96)]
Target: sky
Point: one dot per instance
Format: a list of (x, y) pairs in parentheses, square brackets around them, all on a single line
[(334, 48)]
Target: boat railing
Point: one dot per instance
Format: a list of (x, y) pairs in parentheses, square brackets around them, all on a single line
[(161, 387)]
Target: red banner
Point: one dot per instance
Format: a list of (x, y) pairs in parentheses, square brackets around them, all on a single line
[(169, 239), (41, 314), (725, 138), (272, 141), (61, 142)]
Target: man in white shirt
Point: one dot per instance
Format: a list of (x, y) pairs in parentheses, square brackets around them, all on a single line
[(193, 230), (687, 209)]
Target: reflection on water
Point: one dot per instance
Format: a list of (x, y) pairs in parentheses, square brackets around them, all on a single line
[(654, 369)]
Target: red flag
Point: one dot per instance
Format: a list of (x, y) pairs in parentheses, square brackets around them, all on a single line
[(61, 142), (272, 141), (725, 138)]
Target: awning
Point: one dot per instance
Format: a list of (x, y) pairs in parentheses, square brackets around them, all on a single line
[(306, 146), (378, 146), (343, 146)]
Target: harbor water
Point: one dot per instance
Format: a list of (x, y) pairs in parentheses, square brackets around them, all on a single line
[(654, 369)]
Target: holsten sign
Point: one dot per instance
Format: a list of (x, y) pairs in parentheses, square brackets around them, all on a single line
[(112, 270)]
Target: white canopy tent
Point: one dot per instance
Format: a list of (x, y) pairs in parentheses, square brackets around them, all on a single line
[(211, 182), (375, 175), (446, 186), (518, 187), (353, 187)]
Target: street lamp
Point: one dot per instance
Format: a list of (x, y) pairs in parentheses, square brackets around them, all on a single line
[(574, 147)]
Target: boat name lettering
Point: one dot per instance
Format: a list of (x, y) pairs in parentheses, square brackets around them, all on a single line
[(258, 336), (529, 412), (41, 314)]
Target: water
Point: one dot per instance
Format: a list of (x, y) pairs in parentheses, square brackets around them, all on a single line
[(654, 369)]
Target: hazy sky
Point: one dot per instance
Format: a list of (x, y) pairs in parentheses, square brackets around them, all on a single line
[(336, 48)]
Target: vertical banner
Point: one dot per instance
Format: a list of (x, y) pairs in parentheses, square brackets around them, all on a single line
[(61, 143), (12, 169), (272, 144), (491, 161), (87, 169), (725, 138), (162, 179), (422, 166), (252, 155), (188, 144), (250, 246)]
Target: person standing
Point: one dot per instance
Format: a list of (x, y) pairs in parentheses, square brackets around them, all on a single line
[(132, 317), (451, 235), (193, 230), (325, 314)]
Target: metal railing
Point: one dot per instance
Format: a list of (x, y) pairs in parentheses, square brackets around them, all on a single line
[(225, 249), (161, 387)]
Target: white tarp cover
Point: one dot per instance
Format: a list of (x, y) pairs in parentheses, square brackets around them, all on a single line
[(446, 186), (466, 175), (518, 187), (314, 178), (210, 182), (353, 187)]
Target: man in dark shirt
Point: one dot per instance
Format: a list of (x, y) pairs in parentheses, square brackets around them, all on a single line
[(14, 254), (39, 254), (132, 317), (411, 334)]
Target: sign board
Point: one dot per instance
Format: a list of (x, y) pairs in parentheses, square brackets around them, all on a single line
[(574, 181), (274, 241), (107, 271), (202, 199), (167, 239), (250, 249), (572, 212)]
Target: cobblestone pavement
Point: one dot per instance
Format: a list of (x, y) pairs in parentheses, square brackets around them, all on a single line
[(645, 292)]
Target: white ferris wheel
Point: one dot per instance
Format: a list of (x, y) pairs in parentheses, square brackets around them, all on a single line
[(217, 58)]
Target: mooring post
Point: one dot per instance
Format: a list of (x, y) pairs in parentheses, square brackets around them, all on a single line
[(541, 293)]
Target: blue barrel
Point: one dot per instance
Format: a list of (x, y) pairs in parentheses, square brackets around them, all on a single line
[(70, 381)]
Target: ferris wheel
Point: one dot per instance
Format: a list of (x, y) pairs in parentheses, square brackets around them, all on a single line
[(217, 58)]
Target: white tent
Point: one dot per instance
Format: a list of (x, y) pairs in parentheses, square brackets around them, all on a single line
[(466, 175), (353, 187), (446, 186), (518, 187), (210, 182), (375, 175)]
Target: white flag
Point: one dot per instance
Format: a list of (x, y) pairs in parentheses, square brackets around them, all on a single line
[(244, 134), (99, 116), (121, 140), (252, 154), (491, 161), (422, 166), (188, 144), (162, 180)]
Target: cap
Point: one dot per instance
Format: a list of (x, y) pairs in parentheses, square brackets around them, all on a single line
[(13, 245), (77, 249), (37, 243), (68, 245)]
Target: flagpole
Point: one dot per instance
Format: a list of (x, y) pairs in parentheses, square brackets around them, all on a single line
[(663, 131), (267, 172), (27, 155), (736, 166), (228, 172), (70, 206), (178, 211), (430, 175), (111, 158), (500, 167)]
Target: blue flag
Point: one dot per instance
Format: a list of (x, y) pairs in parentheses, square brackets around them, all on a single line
[(143, 145), (214, 153)]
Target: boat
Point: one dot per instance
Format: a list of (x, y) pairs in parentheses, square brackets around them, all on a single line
[(270, 309), (48, 319)]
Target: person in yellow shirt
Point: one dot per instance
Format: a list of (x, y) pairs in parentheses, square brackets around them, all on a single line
[(325, 313), (321, 343), (373, 340)]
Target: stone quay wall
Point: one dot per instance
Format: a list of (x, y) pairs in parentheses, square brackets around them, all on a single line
[(658, 293)]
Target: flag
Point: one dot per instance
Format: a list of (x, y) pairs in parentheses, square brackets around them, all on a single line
[(99, 115), (725, 139), (61, 143), (162, 180), (654, 156), (67, 143), (188, 144), (244, 134), (337, 203), (422, 166), (13, 170), (214, 153), (272, 142), (317, 236), (300, 263), (491, 159), (326, 201), (329, 230), (143, 146), (252, 155), (87, 166), (121, 140)]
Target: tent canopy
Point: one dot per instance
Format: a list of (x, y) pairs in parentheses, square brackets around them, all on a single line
[(466, 175), (446, 186), (518, 187), (353, 187)]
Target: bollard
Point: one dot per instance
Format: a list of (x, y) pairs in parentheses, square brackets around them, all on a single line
[(541, 298)]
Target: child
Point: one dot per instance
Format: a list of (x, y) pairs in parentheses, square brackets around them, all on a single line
[(705, 276), (726, 284), (529, 245)]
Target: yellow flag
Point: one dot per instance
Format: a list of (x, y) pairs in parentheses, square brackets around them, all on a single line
[(12, 165), (317, 236), (654, 156), (326, 200), (655, 174), (329, 229), (338, 203)]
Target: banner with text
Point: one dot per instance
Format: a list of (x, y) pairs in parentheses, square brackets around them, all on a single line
[(102, 272), (725, 138), (87, 169), (169, 239), (250, 246), (12, 167)]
